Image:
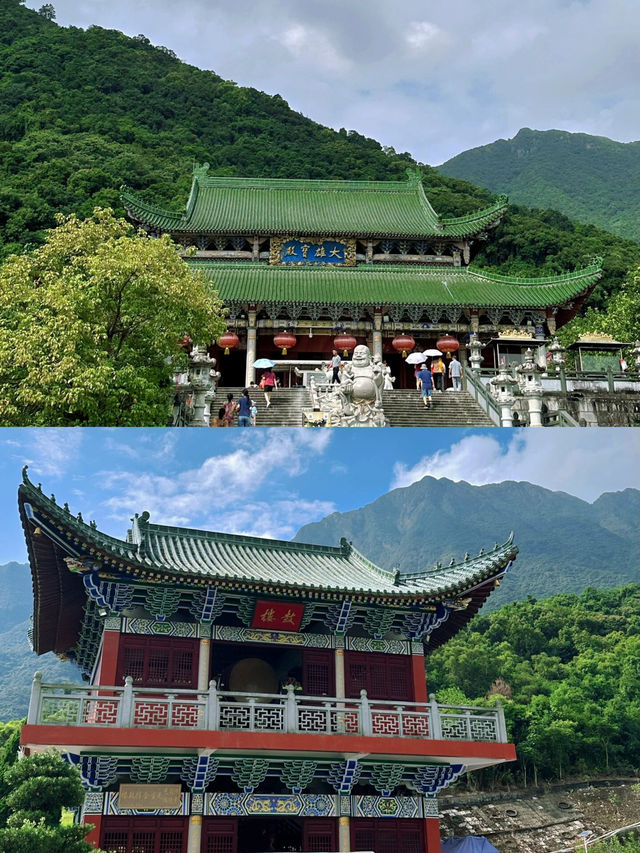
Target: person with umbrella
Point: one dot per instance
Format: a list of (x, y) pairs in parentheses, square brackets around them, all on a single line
[(426, 385), (268, 380), (417, 358)]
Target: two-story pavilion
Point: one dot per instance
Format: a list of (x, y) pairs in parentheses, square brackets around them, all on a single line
[(371, 259), (247, 695)]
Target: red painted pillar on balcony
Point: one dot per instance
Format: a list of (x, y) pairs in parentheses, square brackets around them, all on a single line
[(432, 835), (94, 835), (419, 678), (109, 660)]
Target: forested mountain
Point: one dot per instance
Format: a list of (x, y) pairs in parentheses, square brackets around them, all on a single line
[(566, 544), (588, 178), (17, 662), (82, 112), (566, 670)]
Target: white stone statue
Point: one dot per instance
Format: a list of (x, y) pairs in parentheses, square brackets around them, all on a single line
[(357, 400)]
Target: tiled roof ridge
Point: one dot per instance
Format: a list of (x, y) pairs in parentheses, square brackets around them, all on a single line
[(549, 279), (129, 195), (242, 538), (76, 523), (304, 184), (497, 552)]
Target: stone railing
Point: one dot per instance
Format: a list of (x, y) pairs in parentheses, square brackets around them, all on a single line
[(289, 712)]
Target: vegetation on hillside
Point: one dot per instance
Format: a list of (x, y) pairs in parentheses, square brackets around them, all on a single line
[(39, 786), (589, 178), (88, 320), (566, 672), (74, 127)]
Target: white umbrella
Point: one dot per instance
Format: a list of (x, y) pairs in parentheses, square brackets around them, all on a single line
[(432, 353), (264, 362), (416, 358)]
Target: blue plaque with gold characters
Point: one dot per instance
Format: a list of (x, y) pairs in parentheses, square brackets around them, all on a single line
[(301, 252)]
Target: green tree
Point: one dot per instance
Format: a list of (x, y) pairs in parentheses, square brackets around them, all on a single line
[(41, 785), (90, 323), (620, 318), (47, 11)]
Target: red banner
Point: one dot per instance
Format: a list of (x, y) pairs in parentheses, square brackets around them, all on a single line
[(277, 616)]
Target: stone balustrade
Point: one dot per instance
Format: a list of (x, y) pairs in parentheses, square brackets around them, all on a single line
[(288, 712)]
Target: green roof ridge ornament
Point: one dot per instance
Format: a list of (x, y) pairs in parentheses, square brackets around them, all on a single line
[(200, 170), (414, 177)]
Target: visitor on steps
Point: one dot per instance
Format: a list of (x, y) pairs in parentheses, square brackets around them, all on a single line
[(426, 386), (335, 365), (269, 384), (230, 409), (455, 373), (437, 369), (244, 409)]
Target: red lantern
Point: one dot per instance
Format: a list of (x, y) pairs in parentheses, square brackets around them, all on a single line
[(448, 344), (229, 341), (285, 341), (404, 343), (344, 343)]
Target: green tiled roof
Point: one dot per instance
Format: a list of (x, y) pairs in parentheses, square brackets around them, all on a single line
[(185, 554), (222, 205), (372, 284)]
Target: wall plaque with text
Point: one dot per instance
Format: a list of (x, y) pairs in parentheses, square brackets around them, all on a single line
[(149, 796)]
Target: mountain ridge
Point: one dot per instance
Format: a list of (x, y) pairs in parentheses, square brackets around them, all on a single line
[(589, 178)]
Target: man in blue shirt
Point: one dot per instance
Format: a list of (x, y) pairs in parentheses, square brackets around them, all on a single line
[(335, 364), (244, 409), (426, 385)]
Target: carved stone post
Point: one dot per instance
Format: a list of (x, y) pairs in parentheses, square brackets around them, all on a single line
[(213, 708), (291, 711), (34, 701), (436, 727), (365, 714), (502, 387), (377, 334), (125, 718), (531, 387), (557, 354), (200, 367), (252, 347), (475, 346), (203, 664)]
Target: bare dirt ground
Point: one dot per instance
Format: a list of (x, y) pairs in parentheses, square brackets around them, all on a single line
[(542, 820)]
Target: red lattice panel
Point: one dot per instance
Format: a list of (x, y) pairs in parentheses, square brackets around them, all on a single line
[(185, 715), (385, 724), (414, 726), (150, 714), (101, 712), (351, 722)]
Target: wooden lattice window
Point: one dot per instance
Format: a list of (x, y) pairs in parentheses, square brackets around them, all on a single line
[(382, 676), (220, 836), (318, 677), (320, 835), (158, 661), (387, 835), (144, 835)]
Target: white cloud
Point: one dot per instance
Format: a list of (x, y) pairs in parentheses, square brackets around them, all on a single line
[(584, 463), (476, 71), (221, 491), (49, 451)]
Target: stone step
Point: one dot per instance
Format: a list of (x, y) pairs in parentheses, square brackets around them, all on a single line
[(403, 408)]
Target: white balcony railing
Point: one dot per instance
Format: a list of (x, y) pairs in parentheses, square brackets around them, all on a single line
[(289, 712)]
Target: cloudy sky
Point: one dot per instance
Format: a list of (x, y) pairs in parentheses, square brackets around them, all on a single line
[(271, 482), (430, 78)]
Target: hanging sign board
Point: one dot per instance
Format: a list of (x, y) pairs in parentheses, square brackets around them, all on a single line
[(277, 616), (149, 796)]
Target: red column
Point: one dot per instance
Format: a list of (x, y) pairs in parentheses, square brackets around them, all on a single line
[(419, 678), (432, 835), (109, 659), (94, 835)]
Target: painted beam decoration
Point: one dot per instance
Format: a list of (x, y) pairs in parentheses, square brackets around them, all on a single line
[(277, 615), (301, 251)]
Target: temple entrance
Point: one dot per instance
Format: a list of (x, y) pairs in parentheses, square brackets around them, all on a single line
[(269, 834), (269, 669), (231, 366), (263, 835), (144, 835)]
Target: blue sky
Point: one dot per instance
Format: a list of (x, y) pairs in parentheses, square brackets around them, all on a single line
[(431, 78), (271, 482)]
